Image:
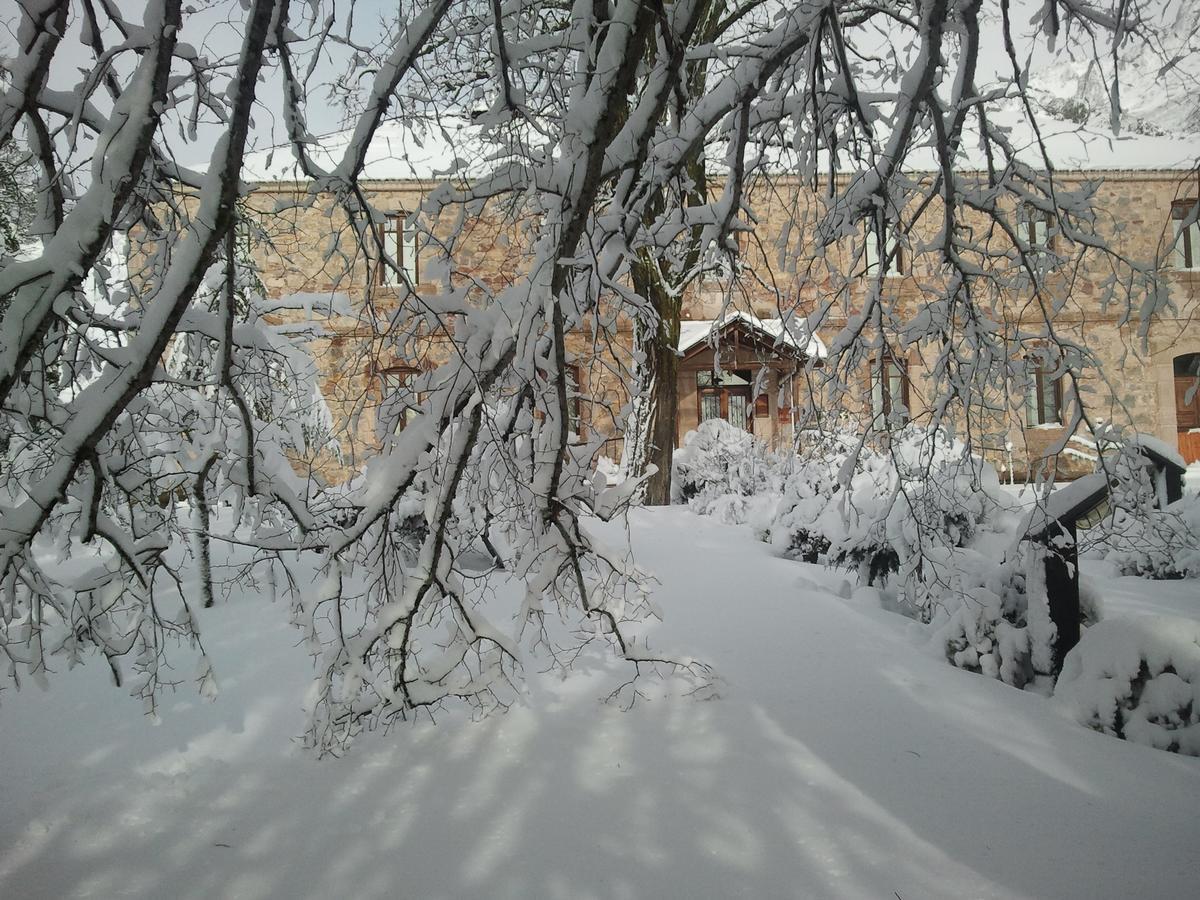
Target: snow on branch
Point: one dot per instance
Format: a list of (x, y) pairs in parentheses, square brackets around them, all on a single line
[(181, 409)]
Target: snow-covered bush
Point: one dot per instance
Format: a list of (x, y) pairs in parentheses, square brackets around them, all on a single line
[(1156, 543), (726, 472), (994, 616), (1139, 537), (796, 530), (1137, 679), (882, 510)]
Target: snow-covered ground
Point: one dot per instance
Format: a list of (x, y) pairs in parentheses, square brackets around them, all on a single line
[(840, 760)]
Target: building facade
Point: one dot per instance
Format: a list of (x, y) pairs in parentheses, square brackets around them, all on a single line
[(746, 353)]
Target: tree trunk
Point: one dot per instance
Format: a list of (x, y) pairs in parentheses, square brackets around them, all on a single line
[(650, 430), (651, 436), (203, 526)]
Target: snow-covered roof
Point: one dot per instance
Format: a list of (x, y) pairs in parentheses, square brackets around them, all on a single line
[(1158, 127), (1150, 444), (1066, 504), (1091, 146), (430, 151), (399, 151), (1069, 146), (791, 332)]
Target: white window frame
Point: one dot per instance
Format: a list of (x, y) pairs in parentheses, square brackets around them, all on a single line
[(1185, 242), (575, 400), (399, 240), (1033, 228), (1043, 384), (890, 389), (396, 400), (892, 249)]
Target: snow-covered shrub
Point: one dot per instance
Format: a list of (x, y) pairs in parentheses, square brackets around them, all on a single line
[(994, 617), (1156, 543), (1137, 679), (833, 507), (855, 523), (882, 510), (1140, 538), (724, 471), (796, 531)]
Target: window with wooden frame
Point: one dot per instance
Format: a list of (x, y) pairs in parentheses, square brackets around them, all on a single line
[(1185, 235), (1034, 228), (398, 239), (1043, 395), (726, 395), (1187, 391), (893, 254), (889, 389), (397, 402)]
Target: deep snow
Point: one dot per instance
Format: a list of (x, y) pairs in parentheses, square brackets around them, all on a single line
[(841, 760)]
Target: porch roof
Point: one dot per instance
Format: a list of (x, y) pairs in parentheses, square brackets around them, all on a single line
[(788, 333)]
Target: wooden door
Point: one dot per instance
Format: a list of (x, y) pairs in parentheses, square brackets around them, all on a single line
[(1187, 417), (729, 403), (739, 410)]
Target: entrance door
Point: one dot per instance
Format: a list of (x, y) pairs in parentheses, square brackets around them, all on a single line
[(727, 397), (1187, 405)]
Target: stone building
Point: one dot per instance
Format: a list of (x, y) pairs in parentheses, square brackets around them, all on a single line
[(757, 326)]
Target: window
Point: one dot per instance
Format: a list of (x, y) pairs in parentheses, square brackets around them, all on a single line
[(889, 389), (397, 402), (1187, 396), (1185, 235), (891, 250), (399, 241), (1043, 397), (726, 395), (1033, 228)]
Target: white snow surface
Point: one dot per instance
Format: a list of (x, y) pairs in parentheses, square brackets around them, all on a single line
[(840, 760)]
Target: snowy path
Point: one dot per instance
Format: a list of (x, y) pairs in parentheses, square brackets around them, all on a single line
[(842, 761)]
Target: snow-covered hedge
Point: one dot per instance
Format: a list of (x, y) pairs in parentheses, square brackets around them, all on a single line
[(1137, 679), (931, 520), (726, 472), (797, 530), (882, 510)]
